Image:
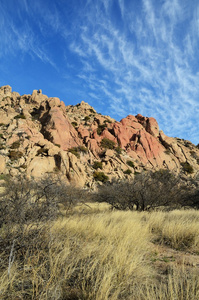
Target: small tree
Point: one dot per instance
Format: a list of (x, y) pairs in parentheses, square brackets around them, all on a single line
[(148, 190)]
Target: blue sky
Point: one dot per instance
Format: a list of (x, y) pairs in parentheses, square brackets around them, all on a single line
[(121, 56)]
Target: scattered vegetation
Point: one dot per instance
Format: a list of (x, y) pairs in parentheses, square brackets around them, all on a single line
[(101, 128), (87, 118), (118, 150), (15, 145), (14, 155), (167, 151), (4, 177), (150, 190), (52, 257), (130, 163), (76, 150), (20, 116), (187, 168), (100, 176), (97, 165), (92, 110), (49, 250), (127, 172), (58, 145), (42, 151), (107, 144), (74, 124)]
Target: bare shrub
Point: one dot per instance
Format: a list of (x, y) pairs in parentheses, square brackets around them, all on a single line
[(148, 190)]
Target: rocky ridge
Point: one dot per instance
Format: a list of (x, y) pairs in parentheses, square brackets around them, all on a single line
[(40, 135)]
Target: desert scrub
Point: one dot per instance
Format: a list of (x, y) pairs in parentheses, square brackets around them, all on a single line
[(118, 150), (20, 116), (87, 118), (100, 176), (14, 155), (167, 151), (101, 128), (187, 167), (42, 151), (15, 145), (107, 144), (130, 163), (77, 150), (97, 165), (127, 172), (74, 124)]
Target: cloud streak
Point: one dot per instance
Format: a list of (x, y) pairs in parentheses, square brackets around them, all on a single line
[(126, 57), (150, 65)]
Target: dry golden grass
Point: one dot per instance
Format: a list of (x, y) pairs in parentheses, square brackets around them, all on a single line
[(106, 255)]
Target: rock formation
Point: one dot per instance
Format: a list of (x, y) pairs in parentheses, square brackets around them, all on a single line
[(40, 135)]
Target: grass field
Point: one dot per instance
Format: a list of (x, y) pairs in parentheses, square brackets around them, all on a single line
[(99, 254)]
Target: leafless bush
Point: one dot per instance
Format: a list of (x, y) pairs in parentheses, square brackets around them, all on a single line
[(148, 190), (27, 209)]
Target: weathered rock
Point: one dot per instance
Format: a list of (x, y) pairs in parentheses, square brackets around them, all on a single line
[(40, 131), (40, 166), (2, 164)]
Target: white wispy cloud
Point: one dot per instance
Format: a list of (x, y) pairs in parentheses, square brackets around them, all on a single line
[(127, 56), (150, 69)]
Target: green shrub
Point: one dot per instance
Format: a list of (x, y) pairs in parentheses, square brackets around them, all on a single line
[(2, 146), (1, 135), (58, 145), (15, 145), (20, 116), (97, 165), (118, 150), (107, 144), (4, 177), (130, 163), (167, 152), (74, 124), (14, 155), (42, 151), (101, 128), (100, 176), (87, 118), (92, 110), (82, 149), (76, 150), (107, 121), (187, 168), (127, 172)]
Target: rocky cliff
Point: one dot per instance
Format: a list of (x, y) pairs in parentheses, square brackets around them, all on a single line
[(40, 135)]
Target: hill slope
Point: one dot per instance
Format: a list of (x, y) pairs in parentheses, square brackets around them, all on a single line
[(40, 135)]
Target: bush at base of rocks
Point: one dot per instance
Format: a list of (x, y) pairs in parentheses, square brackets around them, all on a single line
[(100, 176)]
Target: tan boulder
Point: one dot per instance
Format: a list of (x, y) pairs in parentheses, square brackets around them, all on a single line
[(152, 127), (38, 97), (2, 164), (40, 166), (5, 91), (54, 101)]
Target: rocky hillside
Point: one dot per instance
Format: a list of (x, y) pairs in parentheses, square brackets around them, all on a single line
[(40, 135)]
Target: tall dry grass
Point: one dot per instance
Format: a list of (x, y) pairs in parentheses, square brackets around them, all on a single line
[(103, 255)]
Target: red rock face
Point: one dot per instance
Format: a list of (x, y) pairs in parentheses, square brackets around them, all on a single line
[(59, 130), (37, 124)]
